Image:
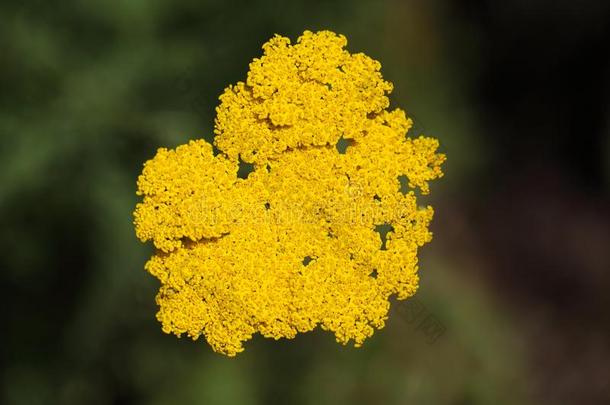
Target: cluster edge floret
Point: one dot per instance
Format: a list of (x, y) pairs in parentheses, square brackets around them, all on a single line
[(295, 244)]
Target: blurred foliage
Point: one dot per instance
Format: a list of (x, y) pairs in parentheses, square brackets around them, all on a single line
[(90, 89)]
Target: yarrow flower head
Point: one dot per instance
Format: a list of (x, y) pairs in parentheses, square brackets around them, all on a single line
[(295, 244)]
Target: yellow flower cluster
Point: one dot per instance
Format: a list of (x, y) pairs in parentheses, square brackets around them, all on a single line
[(295, 244)]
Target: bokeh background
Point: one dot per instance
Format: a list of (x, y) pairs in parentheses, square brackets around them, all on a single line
[(518, 92)]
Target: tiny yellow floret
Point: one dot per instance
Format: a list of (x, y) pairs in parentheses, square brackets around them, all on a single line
[(297, 243)]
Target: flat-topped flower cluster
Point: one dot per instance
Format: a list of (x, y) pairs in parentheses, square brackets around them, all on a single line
[(295, 244)]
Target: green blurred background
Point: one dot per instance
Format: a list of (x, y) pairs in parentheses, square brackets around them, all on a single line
[(517, 275)]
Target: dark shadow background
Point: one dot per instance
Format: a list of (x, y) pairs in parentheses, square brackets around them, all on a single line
[(518, 93)]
